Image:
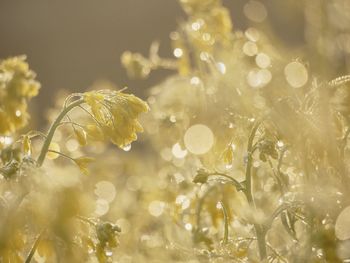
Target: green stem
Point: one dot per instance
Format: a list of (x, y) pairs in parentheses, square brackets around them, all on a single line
[(237, 184), (62, 154), (248, 174), (259, 229), (34, 247), (53, 128), (224, 211)]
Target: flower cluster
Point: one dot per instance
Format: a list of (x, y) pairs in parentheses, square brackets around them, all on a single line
[(17, 86), (116, 115)]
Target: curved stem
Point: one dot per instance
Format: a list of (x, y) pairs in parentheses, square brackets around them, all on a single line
[(224, 211), (259, 229), (62, 154), (51, 132), (237, 184)]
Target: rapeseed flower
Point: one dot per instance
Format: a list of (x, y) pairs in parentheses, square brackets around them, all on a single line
[(17, 86), (116, 115)]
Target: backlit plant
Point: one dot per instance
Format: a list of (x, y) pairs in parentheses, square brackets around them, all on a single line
[(244, 159)]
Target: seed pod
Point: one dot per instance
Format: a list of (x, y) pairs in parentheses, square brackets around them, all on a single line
[(80, 133), (27, 145)]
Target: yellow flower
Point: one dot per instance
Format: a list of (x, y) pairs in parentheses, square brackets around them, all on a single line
[(136, 65), (117, 115), (17, 86), (94, 132), (195, 6), (83, 162)]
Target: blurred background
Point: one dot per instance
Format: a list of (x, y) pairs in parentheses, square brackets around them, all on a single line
[(71, 44)]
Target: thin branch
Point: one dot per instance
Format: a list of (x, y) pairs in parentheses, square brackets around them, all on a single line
[(34, 247)]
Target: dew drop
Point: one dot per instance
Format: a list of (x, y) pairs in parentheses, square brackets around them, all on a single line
[(156, 208), (188, 227), (178, 52), (172, 118), (228, 166), (72, 145), (250, 48), (296, 74), (255, 11), (178, 152), (196, 26), (108, 253), (221, 67), (195, 81), (199, 139), (127, 148), (252, 34), (262, 60), (102, 207), (105, 190)]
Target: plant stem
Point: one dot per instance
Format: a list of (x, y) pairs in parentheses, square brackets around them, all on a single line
[(34, 247), (237, 184), (53, 128), (259, 230), (224, 210), (248, 173)]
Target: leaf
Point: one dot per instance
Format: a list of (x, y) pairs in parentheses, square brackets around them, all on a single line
[(201, 176), (288, 223), (83, 162)]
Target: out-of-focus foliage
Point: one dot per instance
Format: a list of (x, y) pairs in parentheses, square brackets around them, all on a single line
[(245, 157), (17, 86)]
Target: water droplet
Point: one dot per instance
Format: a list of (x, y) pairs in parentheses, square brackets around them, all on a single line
[(219, 205), (108, 253), (204, 56), (221, 67), (183, 200), (228, 166), (199, 139), (18, 113), (105, 190), (156, 208), (280, 144), (127, 147), (179, 178), (178, 52), (195, 81), (5, 140), (262, 60), (178, 152), (72, 145), (102, 207), (172, 118), (255, 11), (252, 34), (250, 48), (296, 74), (188, 227), (259, 78), (196, 26)]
